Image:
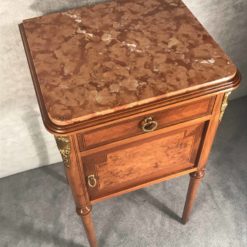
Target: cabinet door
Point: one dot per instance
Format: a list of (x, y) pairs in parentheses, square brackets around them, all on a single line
[(141, 161)]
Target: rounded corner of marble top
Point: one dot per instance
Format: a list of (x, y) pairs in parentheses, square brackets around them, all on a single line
[(56, 125), (233, 79), (236, 77)]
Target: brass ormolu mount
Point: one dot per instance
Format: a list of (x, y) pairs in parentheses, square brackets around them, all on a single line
[(63, 144)]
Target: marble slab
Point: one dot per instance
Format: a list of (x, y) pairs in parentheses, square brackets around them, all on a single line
[(115, 55)]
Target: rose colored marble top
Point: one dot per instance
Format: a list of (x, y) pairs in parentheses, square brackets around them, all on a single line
[(95, 60)]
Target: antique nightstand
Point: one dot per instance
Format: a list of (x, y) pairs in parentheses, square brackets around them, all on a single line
[(133, 92)]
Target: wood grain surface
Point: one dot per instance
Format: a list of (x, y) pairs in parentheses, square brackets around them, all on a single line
[(132, 127), (144, 160)]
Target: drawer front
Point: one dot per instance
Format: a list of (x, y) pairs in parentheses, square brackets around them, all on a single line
[(142, 161), (126, 129)]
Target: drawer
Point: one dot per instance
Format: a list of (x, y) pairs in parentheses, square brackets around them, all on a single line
[(132, 127), (119, 168)]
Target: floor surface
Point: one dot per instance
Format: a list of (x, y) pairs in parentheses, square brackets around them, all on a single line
[(36, 207)]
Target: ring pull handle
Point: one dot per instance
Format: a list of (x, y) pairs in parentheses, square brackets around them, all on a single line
[(91, 180), (149, 125)]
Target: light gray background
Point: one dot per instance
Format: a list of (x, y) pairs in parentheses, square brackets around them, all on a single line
[(24, 142)]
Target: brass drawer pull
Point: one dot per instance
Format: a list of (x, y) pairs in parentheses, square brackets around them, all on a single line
[(149, 125), (91, 180)]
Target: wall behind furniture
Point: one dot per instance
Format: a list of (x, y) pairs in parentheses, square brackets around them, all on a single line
[(24, 142)]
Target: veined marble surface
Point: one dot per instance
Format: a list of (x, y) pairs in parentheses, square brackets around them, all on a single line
[(95, 60)]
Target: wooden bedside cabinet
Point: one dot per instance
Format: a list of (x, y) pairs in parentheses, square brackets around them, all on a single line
[(133, 92)]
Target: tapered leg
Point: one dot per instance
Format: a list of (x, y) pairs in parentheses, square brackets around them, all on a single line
[(195, 180), (67, 146), (87, 221)]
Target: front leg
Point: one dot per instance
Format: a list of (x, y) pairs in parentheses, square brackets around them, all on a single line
[(195, 180), (86, 216), (67, 146)]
